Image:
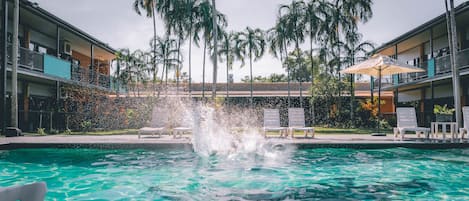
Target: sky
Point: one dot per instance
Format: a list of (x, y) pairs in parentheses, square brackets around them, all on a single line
[(114, 22)]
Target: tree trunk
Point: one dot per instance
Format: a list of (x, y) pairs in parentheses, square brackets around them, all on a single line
[(190, 60), (250, 69), (227, 76), (154, 47), (178, 66), (203, 70), (288, 72), (215, 50), (312, 77)]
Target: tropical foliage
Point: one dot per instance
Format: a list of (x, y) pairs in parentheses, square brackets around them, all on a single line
[(329, 28)]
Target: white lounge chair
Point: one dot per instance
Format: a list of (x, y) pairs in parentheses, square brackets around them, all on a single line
[(465, 129), (407, 121), (179, 131), (158, 123), (272, 122), (296, 122), (28, 192)]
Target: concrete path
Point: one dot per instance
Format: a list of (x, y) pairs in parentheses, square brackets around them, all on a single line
[(133, 139)]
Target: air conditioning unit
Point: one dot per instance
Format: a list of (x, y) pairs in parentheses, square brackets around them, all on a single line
[(67, 48)]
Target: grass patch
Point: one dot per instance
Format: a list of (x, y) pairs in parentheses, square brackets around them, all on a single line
[(322, 130), (111, 132)]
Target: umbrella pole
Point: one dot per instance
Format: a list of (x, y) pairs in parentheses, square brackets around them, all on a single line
[(379, 98)]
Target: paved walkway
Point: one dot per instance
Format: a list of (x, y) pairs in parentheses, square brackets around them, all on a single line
[(133, 139)]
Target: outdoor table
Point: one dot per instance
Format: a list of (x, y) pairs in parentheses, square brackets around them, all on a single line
[(453, 129)]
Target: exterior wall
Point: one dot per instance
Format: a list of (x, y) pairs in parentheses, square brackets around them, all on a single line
[(85, 61), (42, 39), (409, 55)]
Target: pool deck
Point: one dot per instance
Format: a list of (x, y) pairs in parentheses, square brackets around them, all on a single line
[(132, 141)]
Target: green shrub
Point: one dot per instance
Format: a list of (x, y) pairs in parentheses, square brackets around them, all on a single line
[(41, 131), (86, 126), (68, 132), (438, 109)]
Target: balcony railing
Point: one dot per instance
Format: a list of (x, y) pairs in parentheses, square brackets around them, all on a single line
[(87, 76), (28, 59), (438, 66), (34, 61)]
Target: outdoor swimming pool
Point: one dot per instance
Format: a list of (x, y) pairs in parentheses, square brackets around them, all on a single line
[(344, 174)]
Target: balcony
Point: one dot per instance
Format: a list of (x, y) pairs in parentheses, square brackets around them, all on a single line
[(56, 67), (87, 76), (434, 67)]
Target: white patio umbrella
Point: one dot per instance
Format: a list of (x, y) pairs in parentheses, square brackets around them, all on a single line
[(381, 65)]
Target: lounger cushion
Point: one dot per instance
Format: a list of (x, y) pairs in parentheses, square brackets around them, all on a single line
[(182, 129), (303, 128), (150, 130), (274, 128), (420, 129)]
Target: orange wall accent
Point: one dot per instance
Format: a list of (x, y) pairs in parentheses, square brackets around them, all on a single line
[(84, 60)]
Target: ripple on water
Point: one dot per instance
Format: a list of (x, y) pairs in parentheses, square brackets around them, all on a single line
[(314, 174)]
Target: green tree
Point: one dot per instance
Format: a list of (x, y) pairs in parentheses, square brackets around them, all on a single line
[(167, 55), (354, 49), (149, 6), (250, 43), (228, 55), (204, 25), (292, 18)]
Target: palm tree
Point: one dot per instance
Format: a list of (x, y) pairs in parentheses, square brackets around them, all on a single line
[(292, 16), (168, 55), (344, 16), (123, 65), (204, 25), (176, 21), (315, 19), (149, 6), (227, 51), (191, 11), (215, 55), (354, 50), (250, 43), (277, 38)]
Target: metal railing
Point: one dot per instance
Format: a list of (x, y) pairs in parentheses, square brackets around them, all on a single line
[(87, 76), (410, 77), (442, 66), (28, 59)]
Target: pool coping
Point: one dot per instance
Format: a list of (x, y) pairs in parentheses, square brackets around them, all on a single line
[(167, 142)]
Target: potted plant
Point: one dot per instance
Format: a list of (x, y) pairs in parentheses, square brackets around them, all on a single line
[(443, 113)]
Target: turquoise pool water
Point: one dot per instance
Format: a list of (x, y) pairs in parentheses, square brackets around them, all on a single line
[(314, 174)]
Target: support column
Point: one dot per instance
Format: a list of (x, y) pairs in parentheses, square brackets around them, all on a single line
[(57, 40), (432, 99), (14, 81), (92, 64), (422, 106), (26, 95), (396, 91), (3, 65), (431, 43)]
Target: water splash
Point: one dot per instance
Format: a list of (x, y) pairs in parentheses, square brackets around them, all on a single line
[(230, 132)]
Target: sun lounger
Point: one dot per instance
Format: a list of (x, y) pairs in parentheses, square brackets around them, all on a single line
[(158, 123), (28, 192), (465, 129), (272, 122), (407, 121), (179, 131), (296, 122)]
